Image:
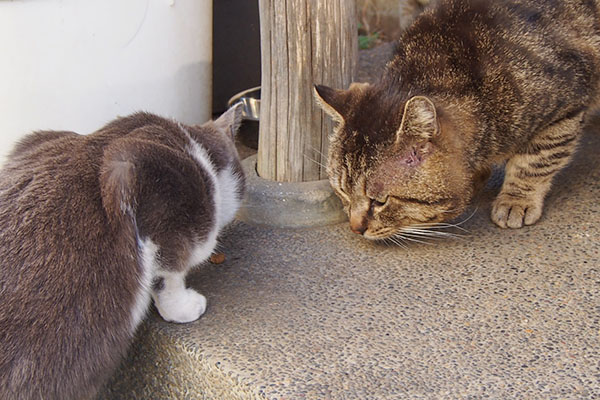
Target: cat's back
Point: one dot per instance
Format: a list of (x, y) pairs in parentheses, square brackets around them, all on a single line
[(522, 64), (47, 179), (53, 240), (463, 41), (60, 170), (49, 176)]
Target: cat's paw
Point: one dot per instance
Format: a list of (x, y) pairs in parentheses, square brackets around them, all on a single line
[(511, 212), (180, 306)]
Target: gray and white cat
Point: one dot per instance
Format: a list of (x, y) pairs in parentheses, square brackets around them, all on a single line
[(91, 228)]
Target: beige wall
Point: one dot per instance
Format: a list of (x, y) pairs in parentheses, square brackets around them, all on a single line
[(75, 65)]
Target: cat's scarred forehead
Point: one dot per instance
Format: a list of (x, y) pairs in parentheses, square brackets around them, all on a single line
[(368, 134)]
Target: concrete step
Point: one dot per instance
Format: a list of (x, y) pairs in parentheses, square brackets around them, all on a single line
[(321, 313)]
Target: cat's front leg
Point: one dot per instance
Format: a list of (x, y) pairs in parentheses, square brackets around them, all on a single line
[(175, 302), (529, 174)]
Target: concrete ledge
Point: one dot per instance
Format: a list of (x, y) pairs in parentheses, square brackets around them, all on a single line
[(294, 205)]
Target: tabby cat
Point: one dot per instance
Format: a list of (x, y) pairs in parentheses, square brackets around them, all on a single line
[(473, 83), (91, 228)]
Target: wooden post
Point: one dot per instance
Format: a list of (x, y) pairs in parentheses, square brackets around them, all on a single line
[(303, 42)]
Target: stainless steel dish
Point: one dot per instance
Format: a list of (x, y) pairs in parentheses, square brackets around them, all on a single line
[(251, 101)]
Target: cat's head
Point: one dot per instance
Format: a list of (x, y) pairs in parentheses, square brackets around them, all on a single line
[(394, 160)]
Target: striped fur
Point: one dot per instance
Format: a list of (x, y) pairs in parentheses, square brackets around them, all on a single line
[(507, 81)]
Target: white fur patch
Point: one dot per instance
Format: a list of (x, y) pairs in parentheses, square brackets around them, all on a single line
[(226, 199), (201, 156), (230, 199), (202, 251), (175, 303), (149, 266), (225, 184)]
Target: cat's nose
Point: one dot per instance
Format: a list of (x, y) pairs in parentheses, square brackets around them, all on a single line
[(358, 226), (360, 230), (358, 219)]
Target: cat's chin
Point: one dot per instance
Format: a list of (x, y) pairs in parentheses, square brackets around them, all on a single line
[(381, 234), (373, 238)]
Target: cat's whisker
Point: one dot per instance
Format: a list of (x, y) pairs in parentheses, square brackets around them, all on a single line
[(443, 237), (435, 224), (420, 237), (423, 231), (441, 226), (424, 236), (445, 225), (431, 233), (319, 152), (429, 238), (315, 161), (411, 239), (448, 224), (398, 241), (385, 242), (469, 217), (389, 240)]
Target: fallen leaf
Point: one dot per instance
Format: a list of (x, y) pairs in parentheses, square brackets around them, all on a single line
[(217, 258)]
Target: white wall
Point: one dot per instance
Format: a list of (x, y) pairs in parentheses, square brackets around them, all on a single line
[(76, 64)]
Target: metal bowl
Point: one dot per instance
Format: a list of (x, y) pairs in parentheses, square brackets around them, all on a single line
[(250, 99), (251, 103)]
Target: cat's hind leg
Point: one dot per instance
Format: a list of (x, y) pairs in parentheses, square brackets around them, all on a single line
[(528, 174), (175, 302)]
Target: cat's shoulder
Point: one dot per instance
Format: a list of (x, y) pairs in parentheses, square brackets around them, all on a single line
[(125, 125), (142, 127), (40, 140)]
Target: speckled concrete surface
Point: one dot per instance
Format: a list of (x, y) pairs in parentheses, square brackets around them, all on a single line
[(321, 313)]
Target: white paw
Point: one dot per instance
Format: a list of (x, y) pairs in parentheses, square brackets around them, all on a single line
[(180, 306)]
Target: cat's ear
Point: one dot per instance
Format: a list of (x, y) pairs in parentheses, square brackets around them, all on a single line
[(332, 101), (230, 121), (335, 102), (419, 119)]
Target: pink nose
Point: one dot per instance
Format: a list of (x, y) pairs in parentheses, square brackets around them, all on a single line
[(359, 231), (358, 226)]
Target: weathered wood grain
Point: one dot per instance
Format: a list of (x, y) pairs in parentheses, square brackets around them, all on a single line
[(303, 42)]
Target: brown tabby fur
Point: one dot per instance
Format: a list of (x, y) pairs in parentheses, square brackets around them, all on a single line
[(473, 83), (69, 264)]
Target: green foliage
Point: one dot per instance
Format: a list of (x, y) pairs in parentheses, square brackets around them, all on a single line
[(367, 41)]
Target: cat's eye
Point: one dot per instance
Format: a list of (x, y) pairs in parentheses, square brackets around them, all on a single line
[(379, 203)]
